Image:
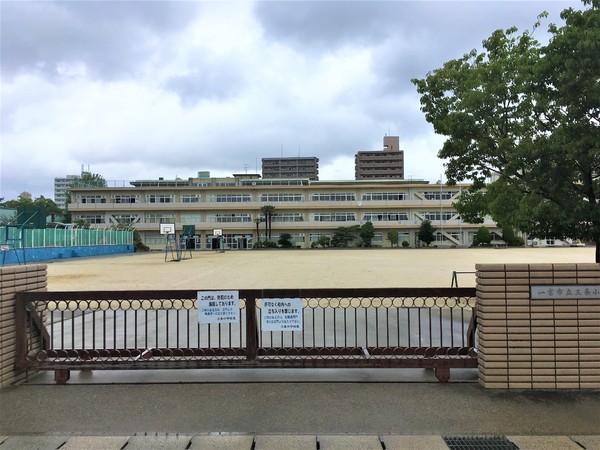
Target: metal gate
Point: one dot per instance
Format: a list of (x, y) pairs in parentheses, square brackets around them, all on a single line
[(342, 328)]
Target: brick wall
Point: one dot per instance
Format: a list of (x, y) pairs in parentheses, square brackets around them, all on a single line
[(15, 279), (526, 343)]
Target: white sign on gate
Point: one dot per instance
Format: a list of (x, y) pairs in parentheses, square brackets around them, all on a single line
[(281, 314), (218, 306)]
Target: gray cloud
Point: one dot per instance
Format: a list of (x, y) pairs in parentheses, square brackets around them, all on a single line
[(111, 38), (147, 89), (323, 25)]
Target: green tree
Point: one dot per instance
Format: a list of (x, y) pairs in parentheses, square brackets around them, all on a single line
[(509, 236), (268, 211), (392, 236), (50, 208), (482, 237), (427, 232), (529, 116), (285, 240), (324, 241), (367, 232), (88, 179), (344, 235)]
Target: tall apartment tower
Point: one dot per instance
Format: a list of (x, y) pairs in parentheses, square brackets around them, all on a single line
[(381, 164), (301, 167), (61, 187)]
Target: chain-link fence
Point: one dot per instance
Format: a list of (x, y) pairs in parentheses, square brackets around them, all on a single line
[(59, 237)]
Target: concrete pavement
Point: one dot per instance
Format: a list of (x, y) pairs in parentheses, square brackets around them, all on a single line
[(219, 441), (291, 414)]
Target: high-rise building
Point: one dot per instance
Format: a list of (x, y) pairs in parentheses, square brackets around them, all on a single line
[(381, 164), (300, 167), (61, 186)]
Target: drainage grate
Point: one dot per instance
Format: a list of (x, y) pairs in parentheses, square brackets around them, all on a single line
[(479, 443)]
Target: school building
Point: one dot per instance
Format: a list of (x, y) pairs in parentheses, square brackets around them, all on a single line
[(306, 209)]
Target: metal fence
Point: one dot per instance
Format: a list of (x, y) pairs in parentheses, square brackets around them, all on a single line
[(60, 237), (401, 327)]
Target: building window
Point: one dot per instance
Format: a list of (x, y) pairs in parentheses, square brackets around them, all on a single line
[(384, 196), (154, 239), (282, 197), (229, 218), (191, 218), (333, 197), (290, 217), (160, 218), (385, 216), (95, 219), (190, 198), (125, 218), (314, 237), (436, 215), (439, 195), (125, 199), (92, 199), (229, 198), (334, 217), (160, 198)]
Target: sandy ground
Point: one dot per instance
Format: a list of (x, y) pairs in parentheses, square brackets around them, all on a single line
[(321, 268)]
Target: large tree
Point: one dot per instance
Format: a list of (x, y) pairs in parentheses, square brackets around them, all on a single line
[(426, 232), (88, 179), (50, 208), (527, 117)]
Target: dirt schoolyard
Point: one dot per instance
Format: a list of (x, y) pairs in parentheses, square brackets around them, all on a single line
[(318, 268)]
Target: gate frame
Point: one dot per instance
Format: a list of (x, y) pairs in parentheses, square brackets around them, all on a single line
[(441, 359)]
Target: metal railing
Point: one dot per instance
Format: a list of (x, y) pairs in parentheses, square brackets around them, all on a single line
[(382, 327)]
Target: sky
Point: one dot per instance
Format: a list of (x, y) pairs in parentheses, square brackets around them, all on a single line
[(146, 89)]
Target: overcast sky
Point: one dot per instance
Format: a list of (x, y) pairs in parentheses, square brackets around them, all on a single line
[(140, 90)]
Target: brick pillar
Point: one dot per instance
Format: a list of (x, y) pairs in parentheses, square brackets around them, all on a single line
[(526, 343), (15, 279)]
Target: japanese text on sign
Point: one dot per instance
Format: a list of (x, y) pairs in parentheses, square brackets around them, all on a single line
[(574, 292), (218, 307), (281, 314)]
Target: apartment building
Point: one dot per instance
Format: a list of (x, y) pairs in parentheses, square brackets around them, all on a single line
[(61, 187), (304, 208), (381, 164), (301, 167)]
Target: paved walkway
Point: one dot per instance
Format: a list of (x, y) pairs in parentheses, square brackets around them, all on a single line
[(218, 441), (265, 414)]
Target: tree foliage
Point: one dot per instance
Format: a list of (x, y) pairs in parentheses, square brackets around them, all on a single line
[(392, 236), (88, 179), (49, 207), (482, 237), (344, 235), (285, 240), (528, 116), (367, 232), (426, 232)]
